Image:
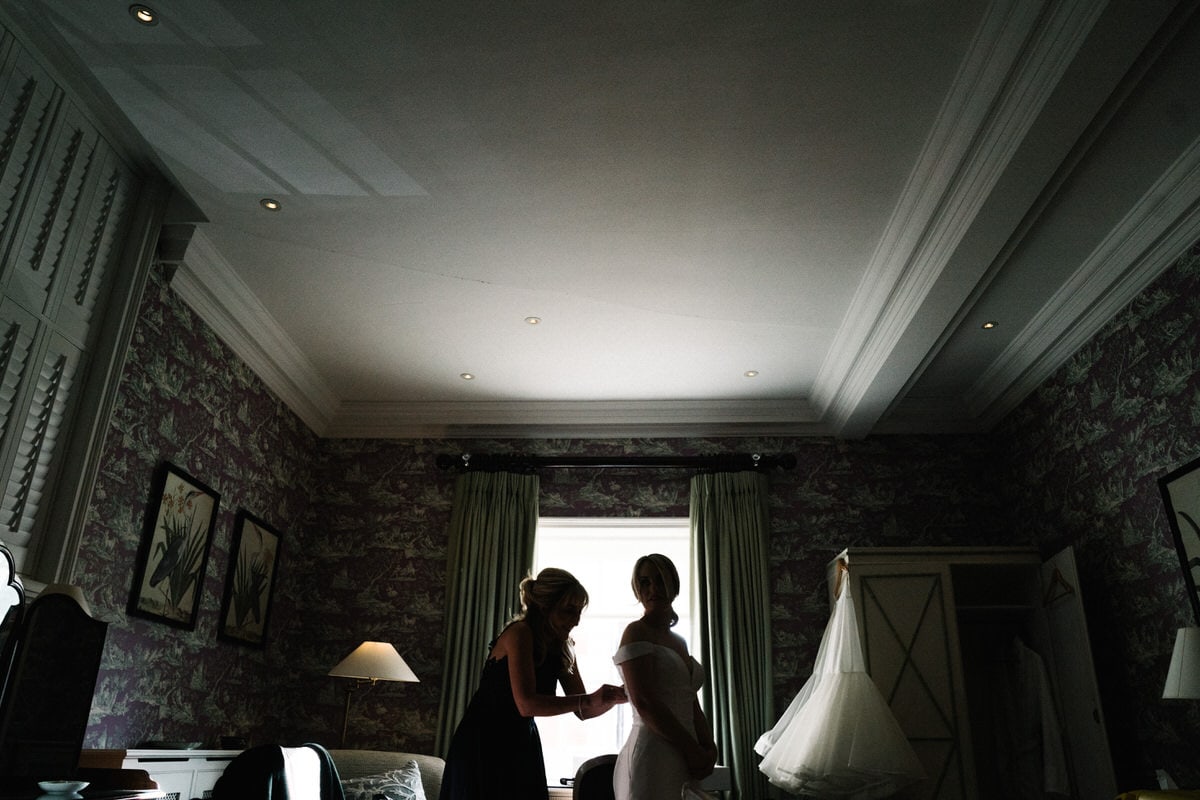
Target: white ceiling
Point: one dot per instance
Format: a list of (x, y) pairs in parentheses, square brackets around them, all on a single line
[(833, 194)]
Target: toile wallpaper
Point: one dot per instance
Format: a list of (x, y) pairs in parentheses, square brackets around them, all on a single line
[(1088, 448), (364, 531)]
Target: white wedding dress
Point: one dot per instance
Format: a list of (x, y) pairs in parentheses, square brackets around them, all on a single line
[(838, 739), (648, 767)]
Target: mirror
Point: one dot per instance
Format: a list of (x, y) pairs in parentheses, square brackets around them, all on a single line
[(12, 611), (1181, 494)]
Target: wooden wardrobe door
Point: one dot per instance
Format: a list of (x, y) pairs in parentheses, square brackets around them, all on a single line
[(1074, 675), (910, 643)]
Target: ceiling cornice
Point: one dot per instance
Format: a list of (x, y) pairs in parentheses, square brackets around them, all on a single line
[(208, 284), (588, 419), (1017, 60), (1130, 257)]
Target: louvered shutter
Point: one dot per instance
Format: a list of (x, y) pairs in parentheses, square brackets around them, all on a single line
[(27, 103), (65, 208), (35, 447)]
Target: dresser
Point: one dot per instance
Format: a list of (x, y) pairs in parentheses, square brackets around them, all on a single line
[(180, 774)]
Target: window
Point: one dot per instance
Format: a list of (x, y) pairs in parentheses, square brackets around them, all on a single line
[(601, 554)]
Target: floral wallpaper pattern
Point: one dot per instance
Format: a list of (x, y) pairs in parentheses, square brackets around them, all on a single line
[(184, 400), (379, 556), (1088, 449), (364, 531)]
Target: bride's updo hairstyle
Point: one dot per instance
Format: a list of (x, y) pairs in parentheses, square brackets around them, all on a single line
[(539, 597), (670, 578)]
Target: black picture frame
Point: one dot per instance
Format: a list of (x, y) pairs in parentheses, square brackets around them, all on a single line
[(250, 582), (169, 575), (1181, 494)]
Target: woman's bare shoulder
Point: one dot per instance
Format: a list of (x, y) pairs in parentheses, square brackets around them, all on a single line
[(637, 631), (515, 635)]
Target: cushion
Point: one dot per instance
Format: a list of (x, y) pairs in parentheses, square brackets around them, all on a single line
[(396, 784)]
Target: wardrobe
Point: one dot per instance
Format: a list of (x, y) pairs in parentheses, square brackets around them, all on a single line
[(983, 656)]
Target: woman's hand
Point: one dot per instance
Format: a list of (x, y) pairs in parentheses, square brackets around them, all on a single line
[(601, 700), (614, 695)]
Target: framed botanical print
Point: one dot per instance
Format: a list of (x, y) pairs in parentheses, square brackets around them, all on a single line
[(1181, 494), (169, 572), (250, 582)]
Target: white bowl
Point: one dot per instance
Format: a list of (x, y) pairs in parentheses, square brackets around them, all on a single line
[(62, 787)]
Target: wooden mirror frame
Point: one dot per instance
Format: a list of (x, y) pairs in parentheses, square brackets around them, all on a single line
[(12, 615)]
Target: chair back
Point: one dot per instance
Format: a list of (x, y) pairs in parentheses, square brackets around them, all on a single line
[(270, 771), (50, 688), (594, 779)]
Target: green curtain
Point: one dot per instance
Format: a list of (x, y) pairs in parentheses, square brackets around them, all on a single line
[(492, 527), (729, 541)]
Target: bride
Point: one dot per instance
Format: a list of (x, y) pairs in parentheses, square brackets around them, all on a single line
[(671, 744)]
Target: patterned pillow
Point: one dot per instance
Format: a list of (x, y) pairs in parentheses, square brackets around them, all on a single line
[(396, 784)]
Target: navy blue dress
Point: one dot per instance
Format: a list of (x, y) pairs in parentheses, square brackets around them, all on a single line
[(496, 753)]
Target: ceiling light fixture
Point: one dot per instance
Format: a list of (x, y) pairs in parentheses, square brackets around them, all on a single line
[(751, 373), (533, 320), (987, 326), (144, 14), (466, 376), (270, 204)]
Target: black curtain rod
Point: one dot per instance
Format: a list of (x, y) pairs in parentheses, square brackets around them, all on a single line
[(522, 463)]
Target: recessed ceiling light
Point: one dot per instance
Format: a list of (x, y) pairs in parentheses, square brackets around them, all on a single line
[(751, 373), (466, 376), (270, 204), (533, 320), (987, 326), (143, 14)]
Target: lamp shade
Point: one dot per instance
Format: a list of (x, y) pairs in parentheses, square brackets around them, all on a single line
[(374, 661), (1183, 677)]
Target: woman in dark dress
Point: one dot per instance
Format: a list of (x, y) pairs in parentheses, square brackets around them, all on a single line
[(496, 751)]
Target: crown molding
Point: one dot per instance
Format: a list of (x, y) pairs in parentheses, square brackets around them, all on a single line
[(1017, 59), (579, 419), (209, 285), (1146, 242)]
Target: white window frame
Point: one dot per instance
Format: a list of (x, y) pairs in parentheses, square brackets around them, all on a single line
[(608, 587)]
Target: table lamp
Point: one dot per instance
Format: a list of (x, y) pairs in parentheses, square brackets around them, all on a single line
[(370, 663), (1183, 676)]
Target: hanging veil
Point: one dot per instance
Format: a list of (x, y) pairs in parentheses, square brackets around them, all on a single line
[(838, 739)]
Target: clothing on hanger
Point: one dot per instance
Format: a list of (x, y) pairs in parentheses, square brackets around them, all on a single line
[(838, 738)]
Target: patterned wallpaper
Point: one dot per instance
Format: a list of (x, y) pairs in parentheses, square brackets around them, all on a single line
[(378, 555), (1088, 449), (183, 399), (364, 524)]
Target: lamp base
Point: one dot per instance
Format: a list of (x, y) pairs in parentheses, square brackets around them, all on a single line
[(350, 690)]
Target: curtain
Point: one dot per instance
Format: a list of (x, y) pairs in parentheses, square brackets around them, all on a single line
[(492, 527), (729, 536)]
